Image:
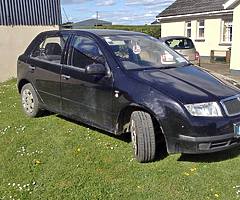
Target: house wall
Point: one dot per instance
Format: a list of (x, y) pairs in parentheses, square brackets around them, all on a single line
[(173, 29), (14, 41), (235, 61), (213, 34)]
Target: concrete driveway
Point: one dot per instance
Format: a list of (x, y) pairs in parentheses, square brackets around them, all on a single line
[(219, 68)]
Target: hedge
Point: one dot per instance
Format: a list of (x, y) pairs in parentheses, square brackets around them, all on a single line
[(153, 30)]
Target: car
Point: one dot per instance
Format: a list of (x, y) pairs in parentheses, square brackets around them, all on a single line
[(128, 82), (184, 46)]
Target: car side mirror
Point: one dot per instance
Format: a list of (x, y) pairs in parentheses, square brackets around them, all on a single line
[(96, 69)]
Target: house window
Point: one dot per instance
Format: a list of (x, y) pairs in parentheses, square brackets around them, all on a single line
[(227, 31), (188, 29), (200, 29)]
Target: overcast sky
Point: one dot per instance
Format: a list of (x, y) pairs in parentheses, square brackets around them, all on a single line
[(133, 12)]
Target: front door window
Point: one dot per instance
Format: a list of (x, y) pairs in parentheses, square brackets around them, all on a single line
[(85, 51)]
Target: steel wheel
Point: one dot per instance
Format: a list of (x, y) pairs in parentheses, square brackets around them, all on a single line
[(28, 101)]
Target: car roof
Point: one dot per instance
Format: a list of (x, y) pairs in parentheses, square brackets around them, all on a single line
[(173, 37), (98, 32)]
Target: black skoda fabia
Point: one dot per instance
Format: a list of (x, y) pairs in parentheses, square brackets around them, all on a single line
[(124, 82)]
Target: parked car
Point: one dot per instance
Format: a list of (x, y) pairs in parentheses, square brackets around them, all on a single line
[(184, 46), (127, 82)]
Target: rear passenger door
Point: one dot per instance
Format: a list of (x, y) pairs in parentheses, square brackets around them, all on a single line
[(87, 97), (45, 64)]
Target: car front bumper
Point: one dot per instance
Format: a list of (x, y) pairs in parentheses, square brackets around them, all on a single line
[(200, 145)]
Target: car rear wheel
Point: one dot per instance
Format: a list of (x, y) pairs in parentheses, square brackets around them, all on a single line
[(143, 136), (30, 102)]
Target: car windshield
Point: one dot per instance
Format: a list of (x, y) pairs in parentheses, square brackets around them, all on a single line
[(143, 52)]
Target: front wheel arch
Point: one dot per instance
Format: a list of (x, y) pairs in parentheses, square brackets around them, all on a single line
[(124, 117)]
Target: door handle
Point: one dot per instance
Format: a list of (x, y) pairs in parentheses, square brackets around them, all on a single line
[(65, 77)]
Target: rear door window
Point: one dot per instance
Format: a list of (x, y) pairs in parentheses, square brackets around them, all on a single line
[(181, 43), (51, 49)]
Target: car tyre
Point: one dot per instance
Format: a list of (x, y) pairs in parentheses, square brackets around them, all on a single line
[(143, 136), (30, 102)]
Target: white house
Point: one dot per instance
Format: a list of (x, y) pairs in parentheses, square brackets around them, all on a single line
[(235, 60), (207, 22)]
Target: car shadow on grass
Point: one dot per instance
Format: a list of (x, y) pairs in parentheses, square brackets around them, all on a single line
[(161, 150), (126, 137), (212, 157)]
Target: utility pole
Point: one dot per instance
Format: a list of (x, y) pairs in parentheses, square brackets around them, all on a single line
[(97, 17)]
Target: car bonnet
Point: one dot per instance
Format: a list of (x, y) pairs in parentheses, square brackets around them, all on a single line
[(188, 84)]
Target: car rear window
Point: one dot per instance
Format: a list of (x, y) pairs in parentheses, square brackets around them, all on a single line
[(180, 43)]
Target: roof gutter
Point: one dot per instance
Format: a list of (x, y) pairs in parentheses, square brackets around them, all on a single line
[(197, 14), (230, 3)]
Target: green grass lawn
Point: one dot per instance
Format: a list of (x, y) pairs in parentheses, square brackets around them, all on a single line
[(54, 158)]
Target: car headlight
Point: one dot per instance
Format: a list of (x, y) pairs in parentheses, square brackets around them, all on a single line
[(210, 109)]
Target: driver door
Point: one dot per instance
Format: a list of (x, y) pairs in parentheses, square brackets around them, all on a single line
[(86, 97)]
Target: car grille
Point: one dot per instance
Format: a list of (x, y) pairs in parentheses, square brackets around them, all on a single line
[(232, 105)]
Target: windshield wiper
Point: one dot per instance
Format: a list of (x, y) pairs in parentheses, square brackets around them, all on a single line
[(176, 66), (168, 67)]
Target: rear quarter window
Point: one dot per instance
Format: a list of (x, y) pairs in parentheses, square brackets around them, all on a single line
[(181, 43)]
